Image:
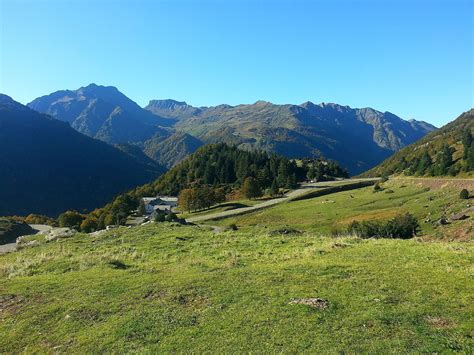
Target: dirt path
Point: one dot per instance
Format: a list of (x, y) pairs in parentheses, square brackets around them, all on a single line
[(305, 189)]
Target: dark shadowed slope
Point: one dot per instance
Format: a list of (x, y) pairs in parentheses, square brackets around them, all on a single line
[(48, 167)]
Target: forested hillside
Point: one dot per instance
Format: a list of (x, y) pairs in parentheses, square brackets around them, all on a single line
[(448, 151)]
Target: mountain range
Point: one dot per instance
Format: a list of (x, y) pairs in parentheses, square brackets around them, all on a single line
[(169, 130), (47, 167)]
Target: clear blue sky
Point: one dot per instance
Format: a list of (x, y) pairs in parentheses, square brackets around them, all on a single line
[(413, 58)]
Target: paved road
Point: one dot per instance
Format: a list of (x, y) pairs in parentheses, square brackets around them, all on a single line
[(303, 190), (40, 228)]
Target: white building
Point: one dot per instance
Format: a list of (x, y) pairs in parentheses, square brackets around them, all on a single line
[(161, 203)]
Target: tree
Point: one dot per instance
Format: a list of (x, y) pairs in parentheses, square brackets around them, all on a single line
[(250, 188), (186, 199), (445, 160), (467, 142), (141, 208), (470, 158), (424, 164), (90, 224), (71, 219), (274, 190)]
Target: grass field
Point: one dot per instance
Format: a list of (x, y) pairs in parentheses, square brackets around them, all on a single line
[(176, 288), (172, 288), (334, 212)]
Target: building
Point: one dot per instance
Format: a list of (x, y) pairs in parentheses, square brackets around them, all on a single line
[(159, 203)]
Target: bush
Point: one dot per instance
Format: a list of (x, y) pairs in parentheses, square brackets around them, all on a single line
[(403, 226), (464, 194), (170, 217), (160, 217), (377, 187)]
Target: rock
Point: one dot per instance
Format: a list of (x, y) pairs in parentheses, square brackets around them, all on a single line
[(458, 217), (58, 233), (31, 243), (318, 303), (285, 231), (442, 221)]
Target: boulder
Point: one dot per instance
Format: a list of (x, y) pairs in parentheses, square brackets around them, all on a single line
[(58, 233), (458, 217)]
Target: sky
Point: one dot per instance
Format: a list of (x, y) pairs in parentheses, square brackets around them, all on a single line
[(413, 58)]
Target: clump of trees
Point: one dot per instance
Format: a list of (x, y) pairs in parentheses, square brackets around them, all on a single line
[(35, 219), (199, 198), (403, 226), (323, 170)]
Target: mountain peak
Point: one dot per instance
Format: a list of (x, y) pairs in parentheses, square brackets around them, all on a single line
[(166, 104)]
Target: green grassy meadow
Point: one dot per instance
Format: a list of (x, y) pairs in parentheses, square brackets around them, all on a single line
[(172, 288), (333, 213)]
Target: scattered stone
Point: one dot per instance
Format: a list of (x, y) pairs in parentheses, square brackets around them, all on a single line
[(442, 221), (318, 303), (340, 245), (285, 231), (58, 233), (459, 217), (31, 243)]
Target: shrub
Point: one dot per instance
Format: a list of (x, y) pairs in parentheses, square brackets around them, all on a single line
[(377, 187), (160, 217), (170, 217), (403, 226), (464, 194)]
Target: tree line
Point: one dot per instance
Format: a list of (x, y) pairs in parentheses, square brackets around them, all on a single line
[(442, 162)]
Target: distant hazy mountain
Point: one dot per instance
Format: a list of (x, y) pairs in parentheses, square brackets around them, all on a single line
[(47, 167), (171, 150), (102, 112), (422, 157), (357, 138)]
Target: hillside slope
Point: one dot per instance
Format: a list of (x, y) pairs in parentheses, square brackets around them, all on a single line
[(425, 156), (48, 167), (171, 150)]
